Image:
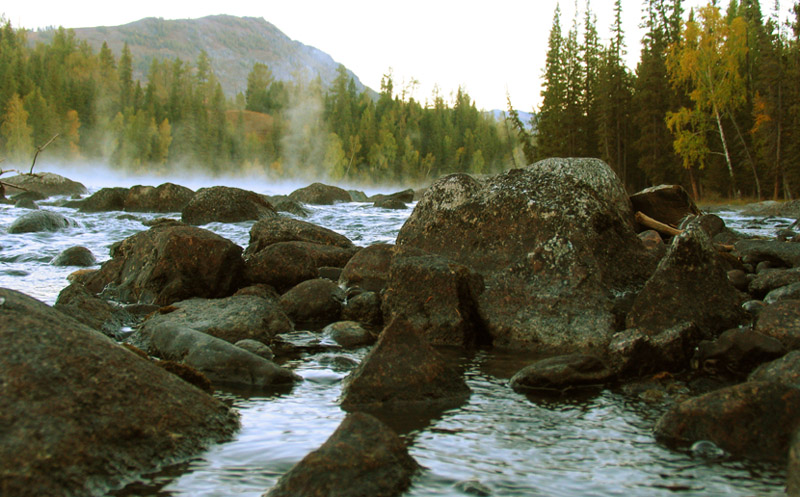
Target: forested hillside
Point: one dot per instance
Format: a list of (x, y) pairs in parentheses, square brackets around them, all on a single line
[(714, 103)]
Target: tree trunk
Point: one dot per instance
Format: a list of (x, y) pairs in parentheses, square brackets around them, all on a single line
[(734, 189)]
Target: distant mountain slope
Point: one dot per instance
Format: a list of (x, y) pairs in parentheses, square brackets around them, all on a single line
[(233, 44)]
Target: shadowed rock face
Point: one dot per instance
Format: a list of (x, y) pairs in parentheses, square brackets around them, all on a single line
[(362, 457), (554, 243), (80, 413)]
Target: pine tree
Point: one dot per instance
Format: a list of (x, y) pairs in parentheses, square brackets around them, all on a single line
[(550, 118)]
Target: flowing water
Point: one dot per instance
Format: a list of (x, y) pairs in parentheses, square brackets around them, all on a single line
[(498, 443)]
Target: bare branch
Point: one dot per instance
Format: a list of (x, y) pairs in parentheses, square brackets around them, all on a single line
[(39, 149)]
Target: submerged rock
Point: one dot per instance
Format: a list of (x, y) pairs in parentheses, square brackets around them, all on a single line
[(41, 220), (75, 256), (81, 415), (363, 457), (560, 372)]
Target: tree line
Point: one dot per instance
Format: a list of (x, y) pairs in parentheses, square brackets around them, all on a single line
[(713, 104), (180, 117)]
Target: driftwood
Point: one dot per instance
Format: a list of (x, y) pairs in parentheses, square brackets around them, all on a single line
[(651, 223), (39, 149)]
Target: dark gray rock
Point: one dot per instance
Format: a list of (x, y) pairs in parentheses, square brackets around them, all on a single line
[(561, 372), (363, 457), (766, 281), (225, 204), (103, 200), (390, 203), (313, 304), (256, 347), (75, 256), (270, 231), (405, 196), (364, 308), (37, 221), (319, 194), (786, 292), (736, 352), (637, 352), (76, 301), (349, 334), (99, 414)]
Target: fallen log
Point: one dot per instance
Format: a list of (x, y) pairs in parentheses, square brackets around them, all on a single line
[(651, 223)]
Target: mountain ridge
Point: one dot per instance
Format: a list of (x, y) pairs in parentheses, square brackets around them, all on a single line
[(233, 44)]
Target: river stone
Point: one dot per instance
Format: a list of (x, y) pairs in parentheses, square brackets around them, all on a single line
[(737, 352), (403, 370), (281, 265), (690, 284), (269, 231), (349, 334), (37, 221), (438, 295), (363, 457), (225, 204), (76, 301), (230, 319), (167, 264), (766, 281), (167, 197), (26, 203), (781, 320), (82, 415), (222, 362), (103, 200), (637, 352), (256, 347), (560, 372), (364, 308), (786, 292), (753, 420), (666, 203), (47, 184), (75, 256), (290, 206), (554, 243), (369, 268), (313, 304), (319, 194), (390, 203), (777, 252), (405, 196), (785, 370), (327, 255)]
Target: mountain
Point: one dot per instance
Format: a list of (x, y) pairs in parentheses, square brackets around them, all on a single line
[(234, 45)]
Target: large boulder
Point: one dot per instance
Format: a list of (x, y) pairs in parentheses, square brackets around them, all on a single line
[(269, 231), (561, 372), (231, 319), (438, 295), (403, 370), (81, 415), (169, 263), (221, 362), (48, 184), (668, 204), (781, 320), (554, 243), (362, 457), (313, 304), (690, 284), (37, 221), (103, 200), (319, 194), (167, 197), (280, 265), (753, 420), (226, 205), (369, 267)]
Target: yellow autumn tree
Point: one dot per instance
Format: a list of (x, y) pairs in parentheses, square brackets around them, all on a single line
[(72, 125), (16, 131), (707, 60)]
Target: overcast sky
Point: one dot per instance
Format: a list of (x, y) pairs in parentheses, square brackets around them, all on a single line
[(489, 48)]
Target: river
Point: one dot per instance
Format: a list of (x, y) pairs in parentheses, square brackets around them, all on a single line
[(499, 443)]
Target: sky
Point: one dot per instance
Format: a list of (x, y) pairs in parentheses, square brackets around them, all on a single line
[(489, 48)]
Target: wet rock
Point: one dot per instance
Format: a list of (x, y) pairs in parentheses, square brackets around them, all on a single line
[(793, 470), (738, 279), (222, 362), (327, 255), (736, 352), (767, 208), (76, 301), (785, 370), (781, 320), (167, 197), (560, 372), (369, 268), (362, 457), (403, 370), (313, 304), (390, 203), (75, 256), (167, 264), (260, 290), (781, 254), (230, 319), (37, 221), (270, 231), (405, 196), (187, 374), (291, 206), (225, 204), (767, 281), (26, 203), (666, 203), (256, 347), (364, 308), (48, 184), (554, 243), (103, 200), (690, 284), (357, 196), (319, 194), (99, 414), (653, 242), (786, 292), (349, 334), (753, 420), (438, 295), (329, 272), (281, 265), (637, 352)]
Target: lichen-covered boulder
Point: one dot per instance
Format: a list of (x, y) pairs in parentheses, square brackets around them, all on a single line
[(48, 184), (269, 231), (320, 194), (82, 415), (167, 197), (103, 200), (225, 204), (554, 243), (166, 264)]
